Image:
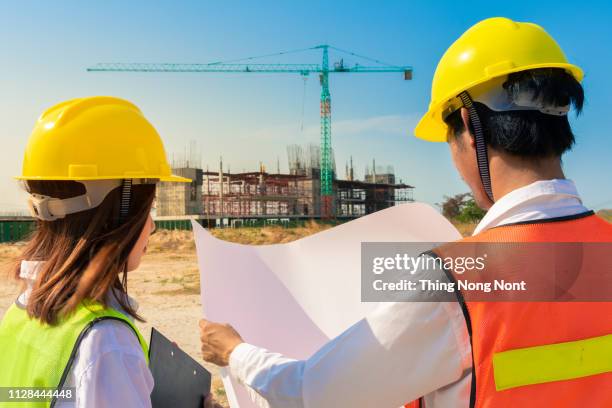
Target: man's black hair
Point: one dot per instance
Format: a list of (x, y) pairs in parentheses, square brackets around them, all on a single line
[(529, 133)]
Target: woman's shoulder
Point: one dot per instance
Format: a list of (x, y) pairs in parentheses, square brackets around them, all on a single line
[(110, 337), (110, 366)]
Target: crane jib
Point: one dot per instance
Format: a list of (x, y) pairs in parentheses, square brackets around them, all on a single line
[(327, 162)]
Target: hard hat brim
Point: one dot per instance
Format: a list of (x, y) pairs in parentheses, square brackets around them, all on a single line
[(176, 179), (432, 128), (171, 178)]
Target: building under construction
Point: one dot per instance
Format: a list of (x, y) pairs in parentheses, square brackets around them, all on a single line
[(224, 198)]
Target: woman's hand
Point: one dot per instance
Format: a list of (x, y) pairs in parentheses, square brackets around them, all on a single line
[(218, 342)]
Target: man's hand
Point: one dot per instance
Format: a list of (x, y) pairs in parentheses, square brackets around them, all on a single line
[(218, 342), (210, 402)]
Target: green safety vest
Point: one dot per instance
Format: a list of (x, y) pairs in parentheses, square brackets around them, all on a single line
[(35, 354)]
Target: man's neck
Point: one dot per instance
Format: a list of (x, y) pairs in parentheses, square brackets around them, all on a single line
[(510, 173)]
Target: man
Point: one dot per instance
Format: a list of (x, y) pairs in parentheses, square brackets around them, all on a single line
[(500, 98)]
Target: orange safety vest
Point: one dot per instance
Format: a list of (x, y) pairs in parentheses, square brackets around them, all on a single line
[(522, 332)]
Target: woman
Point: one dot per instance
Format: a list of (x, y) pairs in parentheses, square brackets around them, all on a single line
[(90, 169)]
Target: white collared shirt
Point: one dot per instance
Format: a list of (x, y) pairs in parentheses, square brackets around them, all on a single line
[(537, 201), (109, 370), (402, 350)]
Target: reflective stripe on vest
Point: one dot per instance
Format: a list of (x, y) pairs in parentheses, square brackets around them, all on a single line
[(34, 354), (536, 354), (552, 362)]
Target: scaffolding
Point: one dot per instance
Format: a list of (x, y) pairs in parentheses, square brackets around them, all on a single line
[(239, 197), (357, 198), (255, 194)]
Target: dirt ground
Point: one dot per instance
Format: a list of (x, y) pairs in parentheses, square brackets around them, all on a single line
[(166, 285), (167, 289)]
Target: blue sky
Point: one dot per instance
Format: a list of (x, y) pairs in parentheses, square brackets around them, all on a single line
[(46, 47)]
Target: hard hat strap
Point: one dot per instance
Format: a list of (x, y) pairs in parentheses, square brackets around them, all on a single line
[(48, 208), (126, 199), (482, 157), (496, 97)]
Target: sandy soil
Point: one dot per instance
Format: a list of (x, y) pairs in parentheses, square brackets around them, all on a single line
[(166, 287)]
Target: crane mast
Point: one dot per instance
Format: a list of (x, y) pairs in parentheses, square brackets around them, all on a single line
[(326, 149)]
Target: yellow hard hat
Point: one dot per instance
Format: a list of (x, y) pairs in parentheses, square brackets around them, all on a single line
[(95, 138), (490, 49)]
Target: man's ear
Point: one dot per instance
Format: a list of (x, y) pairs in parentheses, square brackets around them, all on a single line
[(465, 117)]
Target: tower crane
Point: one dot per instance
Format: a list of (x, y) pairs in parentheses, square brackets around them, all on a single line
[(323, 69)]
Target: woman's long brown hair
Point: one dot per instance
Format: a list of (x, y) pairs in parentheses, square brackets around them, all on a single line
[(84, 252)]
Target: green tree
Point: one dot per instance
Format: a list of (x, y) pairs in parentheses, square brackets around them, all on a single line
[(470, 212), (462, 208)]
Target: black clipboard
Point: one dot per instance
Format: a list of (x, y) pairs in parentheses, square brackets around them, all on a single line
[(180, 381)]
